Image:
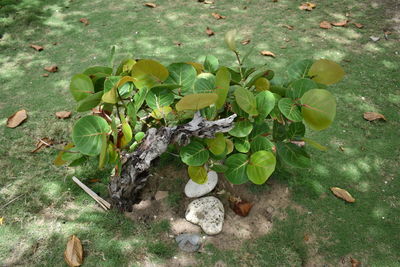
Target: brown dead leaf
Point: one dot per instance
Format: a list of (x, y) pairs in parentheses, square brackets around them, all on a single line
[(63, 114), (240, 207), (343, 194), (17, 118), (372, 116), (84, 21), (94, 180), (73, 254), (37, 47), (306, 237), (44, 142), (340, 23), (267, 53), (218, 16), (245, 42), (45, 75), (152, 5), (358, 25), (325, 25), (209, 32), (307, 6), (354, 262), (288, 26), (53, 68)]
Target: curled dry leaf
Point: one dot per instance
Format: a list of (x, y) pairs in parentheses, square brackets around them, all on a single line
[(53, 68), (288, 26), (17, 118), (209, 32), (63, 114), (73, 254), (358, 25), (372, 116), (218, 16), (340, 23), (44, 142), (307, 6), (267, 53), (240, 207), (37, 47), (152, 5), (245, 42), (343, 194), (354, 262), (84, 21), (325, 25)]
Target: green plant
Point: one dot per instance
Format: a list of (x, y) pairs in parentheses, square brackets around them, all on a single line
[(272, 113)]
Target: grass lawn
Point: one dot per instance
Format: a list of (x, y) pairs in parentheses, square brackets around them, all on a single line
[(41, 206)]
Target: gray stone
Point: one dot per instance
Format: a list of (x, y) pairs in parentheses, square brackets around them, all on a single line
[(188, 242), (193, 189), (208, 213)]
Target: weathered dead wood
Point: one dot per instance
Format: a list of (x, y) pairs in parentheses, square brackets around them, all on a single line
[(124, 189)]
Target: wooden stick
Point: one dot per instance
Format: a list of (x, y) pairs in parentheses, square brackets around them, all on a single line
[(104, 204)]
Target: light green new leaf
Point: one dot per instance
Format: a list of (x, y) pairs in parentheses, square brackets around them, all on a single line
[(182, 74), (326, 72), (194, 154), (198, 174), (261, 166), (222, 81), (87, 132), (241, 129), (318, 108), (196, 101), (81, 86), (246, 101), (211, 64), (289, 109), (265, 103), (230, 37), (216, 145), (236, 173)]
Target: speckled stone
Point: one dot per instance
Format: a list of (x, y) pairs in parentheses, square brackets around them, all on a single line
[(208, 213)]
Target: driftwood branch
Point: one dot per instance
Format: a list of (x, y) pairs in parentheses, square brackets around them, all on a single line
[(124, 189)]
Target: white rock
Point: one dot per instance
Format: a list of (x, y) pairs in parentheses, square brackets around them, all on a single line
[(208, 213), (193, 189)]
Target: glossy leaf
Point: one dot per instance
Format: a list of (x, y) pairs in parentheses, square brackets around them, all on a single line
[(241, 129), (290, 109), (127, 132), (194, 154), (230, 41), (222, 81), (139, 136), (196, 101), (87, 132), (293, 155), (299, 69), (89, 102), (299, 87), (326, 72), (236, 173), (229, 146), (318, 108), (159, 97), (198, 174), (182, 74), (211, 64), (246, 100), (261, 166), (216, 145), (81, 86), (261, 143), (265, 103)]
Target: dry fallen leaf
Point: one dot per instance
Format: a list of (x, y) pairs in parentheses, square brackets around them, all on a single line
[(306, 237), (44, 142), (307, 6), (325, 25), (45, 75), (209, 32), (53, 68), (267, 53), (218, 16), (358, 25), (372, 116), (152, 5), (354, 262), (340, 23), (84, 21), (63, 114), (240, 207), (245, 42), (343, 194), (73, 254), (17, 118), (288, 26), (37, 47)]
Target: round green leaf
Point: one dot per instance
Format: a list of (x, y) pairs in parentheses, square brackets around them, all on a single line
[(98, 69), (211, 64), (198, 174), (196, 101), (261, 166), (81, 86), (139, 136), (326, 72), (216, 145), (236, 173), (159, 97), (293, 155), (265, 103), (89, 102), (230, 37), (299, 87), (222, 81), (194, 154), (241, 129), (262, 84), (246, 100), (289, 109), (318, 108), (219, 168), (148, 72), (299, 69), (259, 127), (242, 145), (205, 83), (87, 132), (182, 74), (261, 143)]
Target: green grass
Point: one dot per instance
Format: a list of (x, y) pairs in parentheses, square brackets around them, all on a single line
[(48, 206)]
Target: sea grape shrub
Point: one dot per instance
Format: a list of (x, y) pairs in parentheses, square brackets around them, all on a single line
[(272, 113)]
